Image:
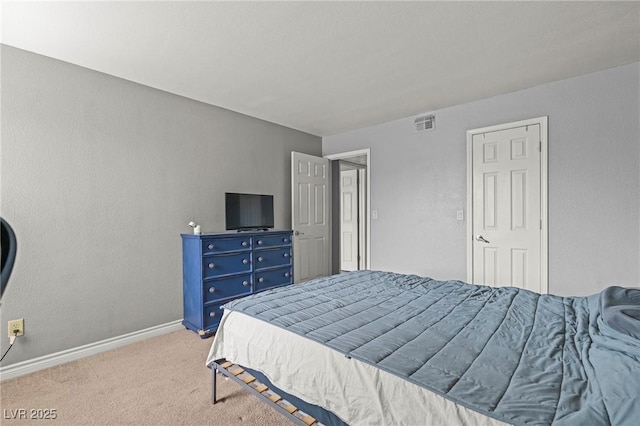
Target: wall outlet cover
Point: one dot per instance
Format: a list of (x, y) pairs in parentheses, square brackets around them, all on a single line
[(16, 326)]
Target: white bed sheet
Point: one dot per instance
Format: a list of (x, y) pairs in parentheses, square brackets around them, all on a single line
[(358, 393)]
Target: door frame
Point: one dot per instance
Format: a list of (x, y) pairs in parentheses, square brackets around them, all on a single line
[(345, 156), (544, 181)]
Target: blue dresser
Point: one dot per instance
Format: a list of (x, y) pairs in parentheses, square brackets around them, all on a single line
[(221, 267)]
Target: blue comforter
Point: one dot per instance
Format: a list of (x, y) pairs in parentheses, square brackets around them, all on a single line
[(511, 354)]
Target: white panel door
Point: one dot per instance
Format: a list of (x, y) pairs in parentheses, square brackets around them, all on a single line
[(506, 227), (310, 216), (349, 239)]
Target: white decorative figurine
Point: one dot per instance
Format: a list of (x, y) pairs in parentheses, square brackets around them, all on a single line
[(196, 228)]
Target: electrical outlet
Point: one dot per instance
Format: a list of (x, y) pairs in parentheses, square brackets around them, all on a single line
[(16, 325)]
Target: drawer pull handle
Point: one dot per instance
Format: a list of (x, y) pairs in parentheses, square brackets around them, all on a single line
[(210, 246), (260, 258), (245, 261), (212, 290), (285, 240), (212, 265), (286, 274), (244, 244), (286, 255), (245, 283), (259, 242), (261, 279), (212, 314)]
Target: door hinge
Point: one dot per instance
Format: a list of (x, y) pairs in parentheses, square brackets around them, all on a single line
[(540, 223), (540, 146)]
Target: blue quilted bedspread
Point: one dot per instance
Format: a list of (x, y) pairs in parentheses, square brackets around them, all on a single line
[(511, 354)]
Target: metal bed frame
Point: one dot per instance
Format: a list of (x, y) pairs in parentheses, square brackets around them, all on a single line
[(248, 382)]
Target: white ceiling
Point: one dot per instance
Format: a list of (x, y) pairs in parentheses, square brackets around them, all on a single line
[(329, 67)]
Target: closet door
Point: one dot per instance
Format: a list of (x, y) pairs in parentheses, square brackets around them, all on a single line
[(506, 228)]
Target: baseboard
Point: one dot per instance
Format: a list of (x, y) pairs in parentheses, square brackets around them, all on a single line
[(30, 366)]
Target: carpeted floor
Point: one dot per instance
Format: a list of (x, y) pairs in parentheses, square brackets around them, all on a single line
[(159, 381)]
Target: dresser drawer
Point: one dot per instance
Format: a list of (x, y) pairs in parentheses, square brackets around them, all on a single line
[(260, 241), (223, 264), (224, 288), (271, 258), (272, 278), (212, 315), (218, 245)]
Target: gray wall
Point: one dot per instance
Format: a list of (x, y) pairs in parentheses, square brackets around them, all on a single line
[(418, 181), (99, 178)]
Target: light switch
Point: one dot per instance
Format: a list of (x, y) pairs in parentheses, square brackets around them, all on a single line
[(374, 214), (460, 215)]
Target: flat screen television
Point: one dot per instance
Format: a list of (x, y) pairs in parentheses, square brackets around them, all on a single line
[(248, 211)]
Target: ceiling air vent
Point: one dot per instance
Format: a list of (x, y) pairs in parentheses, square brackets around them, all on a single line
[(425, 123)]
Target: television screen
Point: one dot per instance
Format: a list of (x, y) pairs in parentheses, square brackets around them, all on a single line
[(248, 211)]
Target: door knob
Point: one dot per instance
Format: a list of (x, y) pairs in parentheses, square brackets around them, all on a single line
[(298, 233), (481, 239)]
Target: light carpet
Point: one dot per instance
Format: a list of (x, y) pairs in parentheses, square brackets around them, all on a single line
[(159, 381)]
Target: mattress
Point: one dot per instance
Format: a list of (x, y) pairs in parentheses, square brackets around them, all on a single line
[(356, 392), (469, 354)]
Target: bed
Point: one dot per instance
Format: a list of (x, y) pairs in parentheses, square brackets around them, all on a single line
[(380, 348)]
